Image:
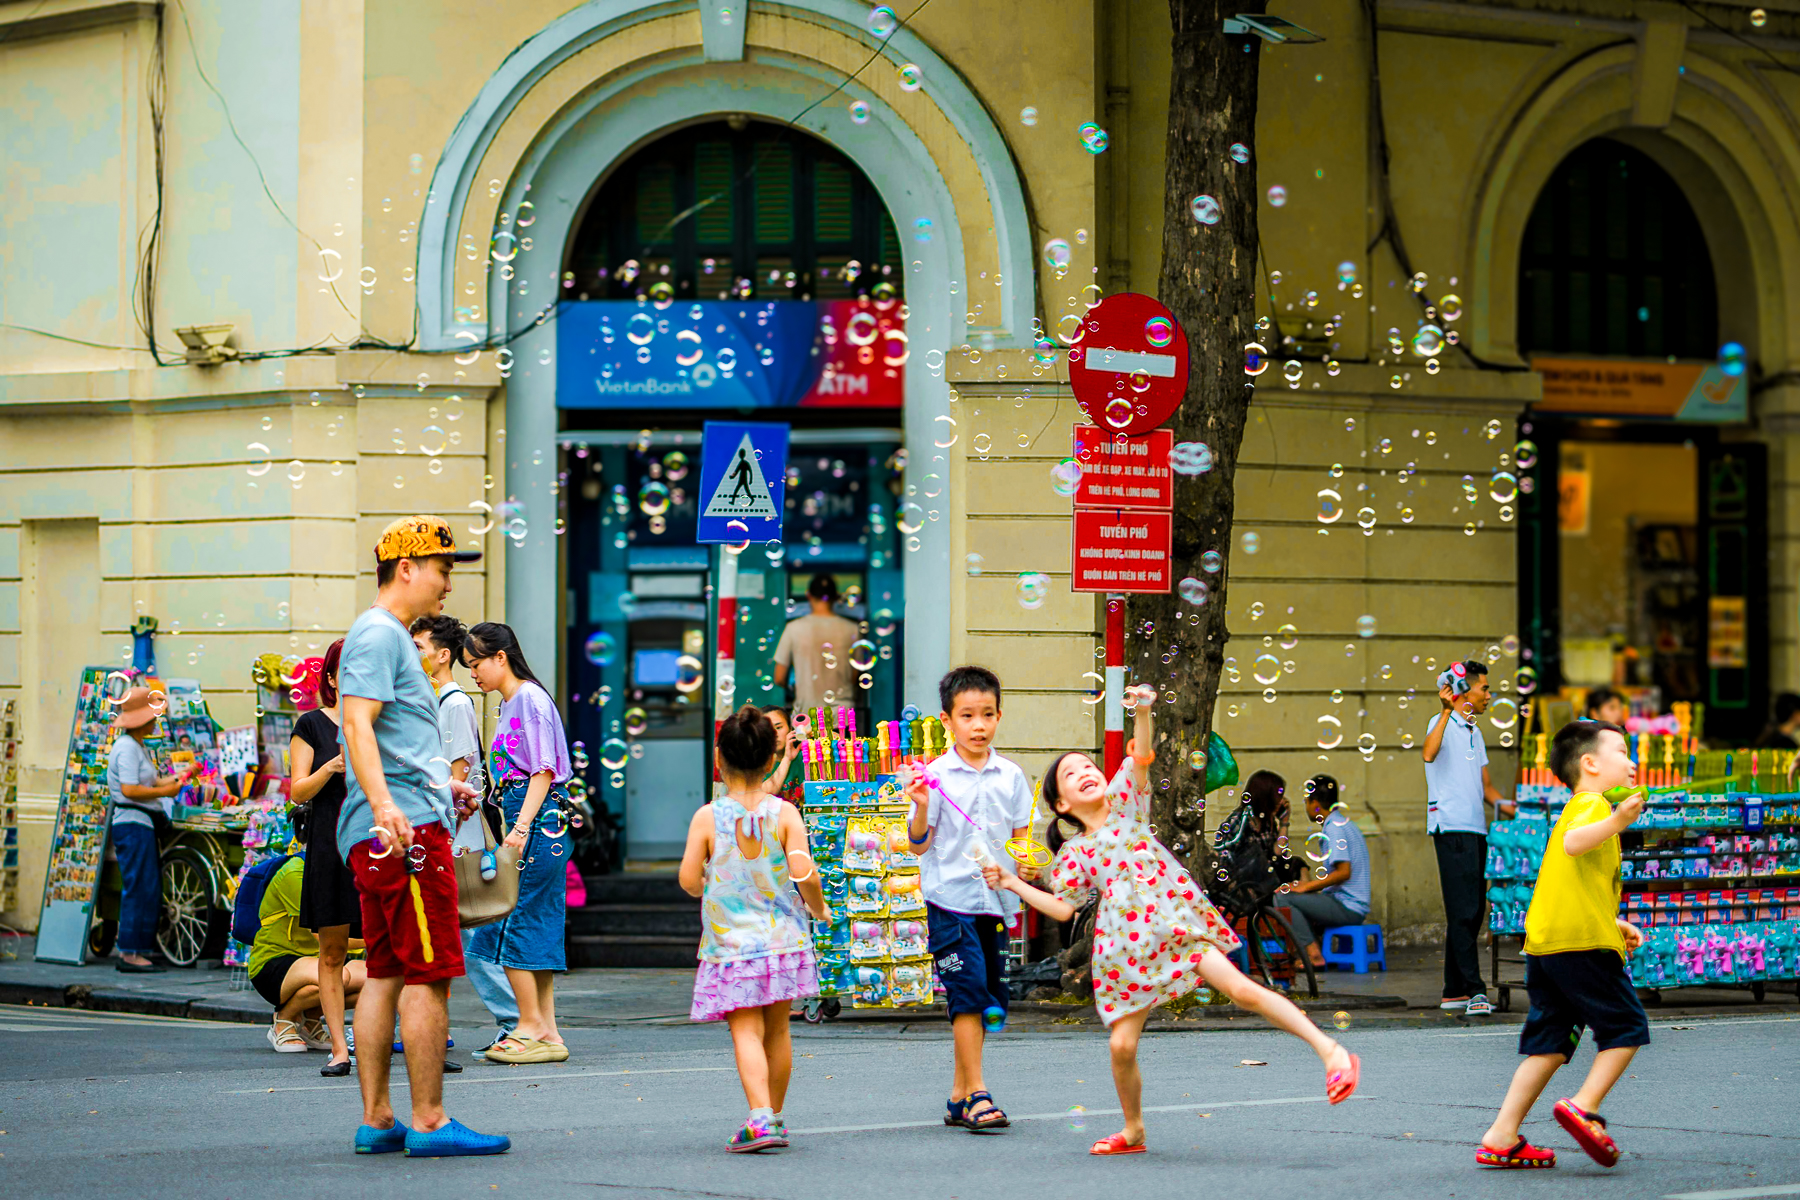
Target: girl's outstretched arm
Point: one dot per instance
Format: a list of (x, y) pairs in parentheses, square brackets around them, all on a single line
[(1002, 880), (801, 867), (692, 875), (1143, 732)]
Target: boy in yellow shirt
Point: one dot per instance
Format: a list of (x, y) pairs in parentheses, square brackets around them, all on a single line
[(1575, 947)]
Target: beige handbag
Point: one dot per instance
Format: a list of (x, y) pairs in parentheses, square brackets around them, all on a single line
[(483, 901)]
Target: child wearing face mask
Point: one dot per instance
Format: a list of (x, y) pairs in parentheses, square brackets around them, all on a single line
[(1156, 936)]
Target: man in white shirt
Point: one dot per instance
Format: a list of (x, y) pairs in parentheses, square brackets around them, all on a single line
[(814, 651), (440, 641), (1458, 791)]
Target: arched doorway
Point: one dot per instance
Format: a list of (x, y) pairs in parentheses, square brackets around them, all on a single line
[(1641, 552), (726, 270)]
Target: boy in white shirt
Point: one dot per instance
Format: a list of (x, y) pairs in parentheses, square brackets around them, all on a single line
[(979, 801)]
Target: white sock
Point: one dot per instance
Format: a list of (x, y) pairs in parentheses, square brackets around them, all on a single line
[(765, 1114)]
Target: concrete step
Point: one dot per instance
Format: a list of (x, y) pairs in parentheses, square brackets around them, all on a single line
[(654, 920), (636, 887), (628, 950)]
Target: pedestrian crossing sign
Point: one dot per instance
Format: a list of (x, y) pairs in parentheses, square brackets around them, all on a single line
[(743, 476)]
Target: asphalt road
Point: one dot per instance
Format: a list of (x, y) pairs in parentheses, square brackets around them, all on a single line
[(97, 1105)]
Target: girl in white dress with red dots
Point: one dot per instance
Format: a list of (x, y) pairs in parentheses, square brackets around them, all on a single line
[(1156, 935)]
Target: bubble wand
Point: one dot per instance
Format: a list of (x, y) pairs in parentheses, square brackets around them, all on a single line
[(1617, 794)]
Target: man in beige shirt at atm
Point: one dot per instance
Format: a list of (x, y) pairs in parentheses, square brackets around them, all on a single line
[(814, 651)]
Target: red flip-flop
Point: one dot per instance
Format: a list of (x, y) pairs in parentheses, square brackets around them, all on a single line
[(1116, 1144), (1589, 1131), (1523, 1155), (1341, 1085)]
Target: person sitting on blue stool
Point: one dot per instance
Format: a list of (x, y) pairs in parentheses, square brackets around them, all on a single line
[(1342, 896)]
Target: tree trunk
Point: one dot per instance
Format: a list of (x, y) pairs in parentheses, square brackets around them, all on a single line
[(1208, 282)]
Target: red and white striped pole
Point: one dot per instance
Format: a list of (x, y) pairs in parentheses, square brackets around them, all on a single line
[(725, 636), (1115, 684)]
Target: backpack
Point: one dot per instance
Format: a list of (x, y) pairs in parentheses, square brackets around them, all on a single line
[(246, 909)]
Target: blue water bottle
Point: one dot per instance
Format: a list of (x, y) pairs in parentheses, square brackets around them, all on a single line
[(490, 867)]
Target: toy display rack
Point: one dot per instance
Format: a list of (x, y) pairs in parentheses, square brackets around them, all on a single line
[(1710, 873), (873, 950)]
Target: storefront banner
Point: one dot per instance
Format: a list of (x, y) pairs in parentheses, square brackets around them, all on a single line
[(1682, 391), (731, 354)]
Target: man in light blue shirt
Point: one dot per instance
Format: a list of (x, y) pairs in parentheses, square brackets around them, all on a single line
[(1458, 792), (1343, 894)]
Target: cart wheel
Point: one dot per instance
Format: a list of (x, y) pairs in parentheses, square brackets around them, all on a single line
[(831, 1007), (101, 935), (188, 904), (810, 1012), (1757, 991), (1505, 999)]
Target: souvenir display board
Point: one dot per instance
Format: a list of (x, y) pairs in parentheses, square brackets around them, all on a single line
[(873, 950), (78, 843), (1710, 870)]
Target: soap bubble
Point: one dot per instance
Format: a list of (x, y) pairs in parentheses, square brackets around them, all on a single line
[(1034, 589), (1256, 359), (1251, 541), (1093, 138), (1057, 254), (1205, 210), (1159, 331), (1065, 477), (636, 721), (1346, 272), (1277, 196), (1732, 359), (689, 674), (1428, 341), (1365, 626), (859, 112), (1758, 18), (1077, 1118), (975, 562), (1191, 458), (1341, 1019), (1028, 115), (1503, 486), (911, 78), (1450, 307), (601, 649), (1240, 153), (882, 20), (1317, 848), (1193, 590), (1211, 561), (613, 753)]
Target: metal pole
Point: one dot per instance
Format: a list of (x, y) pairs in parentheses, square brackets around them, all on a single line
[(1115, 683), (725, 636)]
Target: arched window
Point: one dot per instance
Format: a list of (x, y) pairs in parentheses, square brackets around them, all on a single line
[(736, 210), (1615, 263)]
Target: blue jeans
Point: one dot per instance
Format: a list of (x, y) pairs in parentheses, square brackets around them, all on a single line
[(531, 937), (140, 905), (491, 984)]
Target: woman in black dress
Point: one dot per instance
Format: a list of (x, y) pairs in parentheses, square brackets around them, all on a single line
[(329, 903)]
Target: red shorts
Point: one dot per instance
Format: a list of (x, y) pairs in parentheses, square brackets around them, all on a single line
[(409, 919)]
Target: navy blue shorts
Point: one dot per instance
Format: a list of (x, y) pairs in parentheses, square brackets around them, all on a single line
[(970, 953), (1576, 990)]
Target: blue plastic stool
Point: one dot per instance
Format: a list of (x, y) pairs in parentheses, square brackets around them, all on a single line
[(1366, 947)]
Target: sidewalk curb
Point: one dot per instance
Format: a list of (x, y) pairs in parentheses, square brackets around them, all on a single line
[(89, 998)]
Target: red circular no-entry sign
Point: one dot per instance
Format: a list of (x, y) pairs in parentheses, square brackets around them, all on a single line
[(1129, 365)]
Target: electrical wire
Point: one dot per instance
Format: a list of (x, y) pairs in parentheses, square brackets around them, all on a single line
[(143, 291), (1738, 37)]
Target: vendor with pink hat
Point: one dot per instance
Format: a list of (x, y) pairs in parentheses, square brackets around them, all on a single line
[(138, 796)]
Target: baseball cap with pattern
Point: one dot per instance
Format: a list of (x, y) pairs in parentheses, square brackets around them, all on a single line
[(420, 537)]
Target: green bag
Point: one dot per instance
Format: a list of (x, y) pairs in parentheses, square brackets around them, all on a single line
[(1221, 767)]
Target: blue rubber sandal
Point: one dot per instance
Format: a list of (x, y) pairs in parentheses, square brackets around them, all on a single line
[(453, 1139), (370, 1140), (960, 1116)]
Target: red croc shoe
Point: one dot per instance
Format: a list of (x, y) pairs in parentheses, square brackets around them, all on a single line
[(1522, 1156), (1589, 1130)]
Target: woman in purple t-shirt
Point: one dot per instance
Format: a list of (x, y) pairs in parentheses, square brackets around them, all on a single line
[(529, 763)]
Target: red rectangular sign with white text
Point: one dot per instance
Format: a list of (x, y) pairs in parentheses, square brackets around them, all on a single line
[(1122, 550), (1124, 472)]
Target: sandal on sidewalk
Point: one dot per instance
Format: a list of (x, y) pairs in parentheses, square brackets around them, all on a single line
[(518, 1049), (989, 1119), (285, 1037), (1523, 1155), (1116, 1144), (1589, 1131)]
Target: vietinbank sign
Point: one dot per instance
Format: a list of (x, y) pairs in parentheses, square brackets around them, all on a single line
[(731, 354)]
